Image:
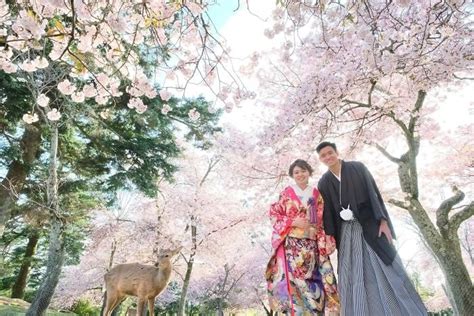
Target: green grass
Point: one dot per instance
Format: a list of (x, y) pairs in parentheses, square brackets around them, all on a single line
[(19, 311)]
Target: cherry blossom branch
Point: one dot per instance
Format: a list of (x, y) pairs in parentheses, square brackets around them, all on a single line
[(463, 78), (212, 164), (220, 229), (387, 154), (415, 112), (73, 30)]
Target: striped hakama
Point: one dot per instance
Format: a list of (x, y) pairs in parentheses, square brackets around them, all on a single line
[(367, 286)]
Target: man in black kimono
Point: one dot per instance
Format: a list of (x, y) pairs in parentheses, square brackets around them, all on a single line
[(372, 280)]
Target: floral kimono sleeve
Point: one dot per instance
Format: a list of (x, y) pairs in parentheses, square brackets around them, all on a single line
[(281, 222), (326, 246), (326, 243)]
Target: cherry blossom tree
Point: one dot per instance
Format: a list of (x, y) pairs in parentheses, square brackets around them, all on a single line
[(122, 233), (200, 210), (372, 72), (100, 44), (111, 52)]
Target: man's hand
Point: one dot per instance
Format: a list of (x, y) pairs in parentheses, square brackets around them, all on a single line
[(385, 230), (301, 223)]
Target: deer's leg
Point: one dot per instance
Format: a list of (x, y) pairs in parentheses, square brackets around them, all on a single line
[(112, 302), (108, 304), (151, 306), (140, 306)]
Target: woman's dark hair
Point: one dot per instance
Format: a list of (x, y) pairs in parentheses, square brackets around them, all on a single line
[(326, 144), (302, 164)]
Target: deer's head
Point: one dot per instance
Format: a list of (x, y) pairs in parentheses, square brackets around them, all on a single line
[(165, 256)]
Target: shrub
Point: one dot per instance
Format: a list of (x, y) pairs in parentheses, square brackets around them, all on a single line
[(83, 307)]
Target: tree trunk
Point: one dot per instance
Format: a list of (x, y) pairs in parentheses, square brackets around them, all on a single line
[(56, 237), (187, 278), (220, 310), (111, 263), (18, 171), (18, 289), (458, 280), (442, 238), (445, 246)]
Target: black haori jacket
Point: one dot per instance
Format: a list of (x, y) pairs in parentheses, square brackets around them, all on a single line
[(360, 191)]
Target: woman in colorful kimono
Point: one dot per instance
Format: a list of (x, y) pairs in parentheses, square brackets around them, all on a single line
[(299, 275)]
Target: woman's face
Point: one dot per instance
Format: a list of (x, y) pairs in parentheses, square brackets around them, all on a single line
[(300, 175)]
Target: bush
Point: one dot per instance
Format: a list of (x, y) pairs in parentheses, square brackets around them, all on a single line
[(83, 307), (444, 312), (29, 295)]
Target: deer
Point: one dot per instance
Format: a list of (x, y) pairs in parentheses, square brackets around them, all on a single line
[(145, 282)]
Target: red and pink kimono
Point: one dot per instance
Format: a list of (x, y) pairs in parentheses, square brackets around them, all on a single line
[(299, 275)]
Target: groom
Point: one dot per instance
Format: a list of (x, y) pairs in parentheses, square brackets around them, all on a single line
[(372, 280)]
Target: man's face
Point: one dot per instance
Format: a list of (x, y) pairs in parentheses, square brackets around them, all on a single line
[(328, 156)]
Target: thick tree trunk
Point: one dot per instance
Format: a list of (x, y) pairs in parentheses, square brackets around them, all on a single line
[(458, 280), (18, 171), (447, 251), (18, 289), (442, 238), (445, 246), (53, 270), (187, 278), (56, 237)]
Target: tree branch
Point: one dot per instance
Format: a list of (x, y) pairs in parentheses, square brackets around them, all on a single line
[(446, 206), (219, 229), (463, 78), (399, 204), (212, 163), (372, 88), (415, 113), (461, 216), (399, 123), (387, 154)]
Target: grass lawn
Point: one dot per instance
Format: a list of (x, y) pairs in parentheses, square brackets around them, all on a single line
[(16, 307)]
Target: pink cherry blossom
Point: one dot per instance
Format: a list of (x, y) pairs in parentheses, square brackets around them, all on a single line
[(165, 95), (41, 62), (78, 97), (141, 108), (135, 103), (105, 114), (66, 87), (89, 91), (42, 100), (194, 114), (166, 108), (53, 115), (27, 26), (102, 99), (28, 66), (9, 67), (30, 118)]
